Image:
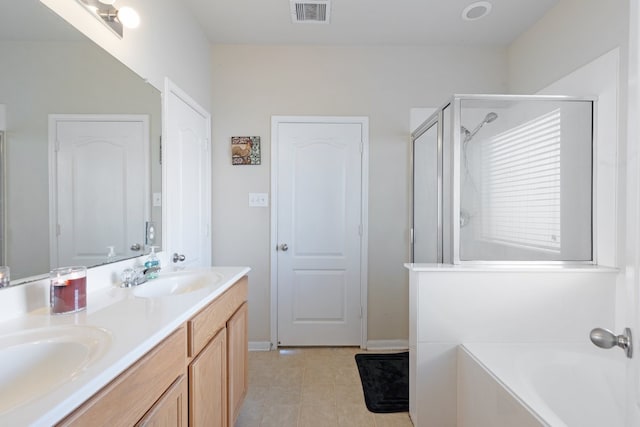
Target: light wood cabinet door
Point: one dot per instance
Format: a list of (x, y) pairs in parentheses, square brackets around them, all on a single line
[(208, 384), (171, 410), (237, 359), (127, 399)]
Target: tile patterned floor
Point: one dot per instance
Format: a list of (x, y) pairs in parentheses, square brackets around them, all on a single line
[(309, 387)]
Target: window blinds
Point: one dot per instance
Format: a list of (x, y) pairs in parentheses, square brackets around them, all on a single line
[(520, 185)]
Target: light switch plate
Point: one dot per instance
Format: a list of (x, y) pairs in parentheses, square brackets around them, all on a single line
[(157, 199), (258, 200)]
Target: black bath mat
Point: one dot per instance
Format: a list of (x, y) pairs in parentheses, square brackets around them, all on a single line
[(385, 381)]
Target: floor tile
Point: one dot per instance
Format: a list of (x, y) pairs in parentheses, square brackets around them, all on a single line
[(309, 387)]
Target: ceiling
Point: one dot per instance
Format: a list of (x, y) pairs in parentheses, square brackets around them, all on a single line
[(367, 22)]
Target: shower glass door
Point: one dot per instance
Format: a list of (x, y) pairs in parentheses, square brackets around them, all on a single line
[(427, 194)]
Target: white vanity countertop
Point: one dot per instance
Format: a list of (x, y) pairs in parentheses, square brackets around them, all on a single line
[(511, 267), (135, 326)]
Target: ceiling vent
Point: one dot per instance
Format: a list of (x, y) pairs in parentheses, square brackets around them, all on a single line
[(310, 12)]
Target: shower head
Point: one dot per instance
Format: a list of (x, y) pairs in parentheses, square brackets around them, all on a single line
[(490, 117), (470, 134)]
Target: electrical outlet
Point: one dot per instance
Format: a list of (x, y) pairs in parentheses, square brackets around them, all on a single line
[(258, 200)]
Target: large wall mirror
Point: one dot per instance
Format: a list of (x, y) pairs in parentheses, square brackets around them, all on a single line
[(51, 71)]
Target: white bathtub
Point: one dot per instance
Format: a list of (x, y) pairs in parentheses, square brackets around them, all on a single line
[(554, 385)]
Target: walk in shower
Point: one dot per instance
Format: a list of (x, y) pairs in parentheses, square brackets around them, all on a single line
[(504, 178)]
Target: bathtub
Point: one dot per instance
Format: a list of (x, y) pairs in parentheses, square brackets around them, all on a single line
[(553, 385)]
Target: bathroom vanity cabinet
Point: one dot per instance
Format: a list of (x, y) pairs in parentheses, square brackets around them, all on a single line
[(197, 376), (152, 389), (218, 348)]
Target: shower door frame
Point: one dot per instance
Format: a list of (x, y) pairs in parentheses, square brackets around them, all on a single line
[(454, 170), (435, 119)]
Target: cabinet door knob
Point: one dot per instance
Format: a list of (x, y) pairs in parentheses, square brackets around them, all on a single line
[(136, 247), (283, 247), (178, 257)]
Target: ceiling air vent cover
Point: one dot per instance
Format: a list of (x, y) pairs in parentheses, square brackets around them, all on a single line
[(310, 12)]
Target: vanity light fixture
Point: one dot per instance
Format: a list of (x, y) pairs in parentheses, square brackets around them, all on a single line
[(476, 10), (111, 16)]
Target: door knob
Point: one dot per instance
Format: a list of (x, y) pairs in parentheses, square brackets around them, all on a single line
[(178, 257), (604, 338), (283, 247), (136, 247)]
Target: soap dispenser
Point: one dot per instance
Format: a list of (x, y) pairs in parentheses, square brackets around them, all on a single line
[(152, 262)]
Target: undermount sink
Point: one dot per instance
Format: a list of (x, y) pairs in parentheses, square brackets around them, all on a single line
[(177, 283), (36, 361)]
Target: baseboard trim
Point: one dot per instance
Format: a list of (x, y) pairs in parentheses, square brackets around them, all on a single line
[(259, 346), (387, 344)]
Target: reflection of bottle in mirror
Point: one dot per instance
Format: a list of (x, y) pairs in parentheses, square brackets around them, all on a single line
[(152, 261), (111, 254)]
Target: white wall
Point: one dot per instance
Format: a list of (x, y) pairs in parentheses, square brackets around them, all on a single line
[(252, 83), (168, 43), (567, 37)]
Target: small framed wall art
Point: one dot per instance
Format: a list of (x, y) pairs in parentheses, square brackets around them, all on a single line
[(245, 150)]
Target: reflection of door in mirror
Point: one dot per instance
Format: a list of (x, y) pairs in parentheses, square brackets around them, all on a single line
[(99, 178), (49, 67)]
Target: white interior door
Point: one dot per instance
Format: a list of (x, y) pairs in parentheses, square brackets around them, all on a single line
[(100, 180), (186, 178), (319, 231)]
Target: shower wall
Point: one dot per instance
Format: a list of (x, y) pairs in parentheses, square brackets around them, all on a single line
[(514, 184)]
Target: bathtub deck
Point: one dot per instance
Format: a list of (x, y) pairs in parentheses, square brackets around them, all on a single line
[(552, 384)]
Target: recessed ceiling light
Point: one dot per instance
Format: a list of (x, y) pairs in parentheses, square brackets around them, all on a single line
[(476, 10)]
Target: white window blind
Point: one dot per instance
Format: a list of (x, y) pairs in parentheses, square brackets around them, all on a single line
[(520, 187)]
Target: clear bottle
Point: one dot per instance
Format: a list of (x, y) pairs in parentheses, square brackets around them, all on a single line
[(152, 261)]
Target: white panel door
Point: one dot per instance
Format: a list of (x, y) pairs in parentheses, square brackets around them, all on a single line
[(319, 195), (186, 178), (100, 174)]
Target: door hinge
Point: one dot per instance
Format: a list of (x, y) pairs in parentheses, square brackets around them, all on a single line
[(411, 235), (361, 312), (360, 229), (160, 156)]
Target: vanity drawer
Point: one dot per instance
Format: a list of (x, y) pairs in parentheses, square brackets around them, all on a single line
[(129, 397), (206, 323)]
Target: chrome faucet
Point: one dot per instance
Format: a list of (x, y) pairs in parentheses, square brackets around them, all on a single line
[(137, 276)]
